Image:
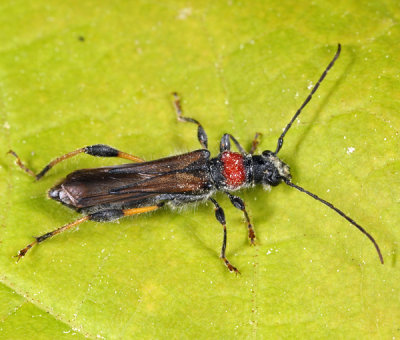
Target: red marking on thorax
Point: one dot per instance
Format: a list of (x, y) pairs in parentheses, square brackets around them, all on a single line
[(233, 168)]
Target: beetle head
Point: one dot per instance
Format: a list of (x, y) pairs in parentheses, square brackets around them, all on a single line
[(269, 169)]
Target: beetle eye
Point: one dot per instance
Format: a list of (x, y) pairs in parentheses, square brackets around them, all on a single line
[(266, 153)]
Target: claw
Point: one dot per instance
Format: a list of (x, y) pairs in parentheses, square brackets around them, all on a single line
[(230, 267), (252, 235), (233, 269), (23, 251), (20, 254)]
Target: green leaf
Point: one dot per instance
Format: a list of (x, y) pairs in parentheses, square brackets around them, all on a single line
[(74, 74)]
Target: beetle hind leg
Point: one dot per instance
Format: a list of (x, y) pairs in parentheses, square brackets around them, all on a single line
[(43, 237), (100, 216), (97, 150)]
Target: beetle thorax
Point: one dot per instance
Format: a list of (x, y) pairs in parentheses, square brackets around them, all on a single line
[(233, 169)]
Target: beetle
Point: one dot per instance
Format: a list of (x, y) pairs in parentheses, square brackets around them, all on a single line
[(109, 193)]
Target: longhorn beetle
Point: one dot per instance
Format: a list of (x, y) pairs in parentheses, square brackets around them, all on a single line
[(109, 193)]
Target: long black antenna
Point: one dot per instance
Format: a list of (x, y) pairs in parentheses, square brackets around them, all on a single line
[(341, 213), (315, 88)]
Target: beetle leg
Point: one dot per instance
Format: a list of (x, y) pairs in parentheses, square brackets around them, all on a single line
[(201, 133), (255, 142), (134, 211), (239, 204), (98, 150), (115, 214), (100, 216), (219, 214), (39, 239), (225, 144)]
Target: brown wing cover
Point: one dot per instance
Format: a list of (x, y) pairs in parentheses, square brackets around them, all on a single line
[(181, 174)]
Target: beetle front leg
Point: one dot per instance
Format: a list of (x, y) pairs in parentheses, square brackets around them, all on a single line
[(239, 204), (255, 142), (220, 215), (225, 144)]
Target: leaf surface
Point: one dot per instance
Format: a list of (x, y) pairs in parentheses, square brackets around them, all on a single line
[(75, 74)]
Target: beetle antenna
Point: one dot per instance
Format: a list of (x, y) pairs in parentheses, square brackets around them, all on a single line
[(341, 213), (315, 88)]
